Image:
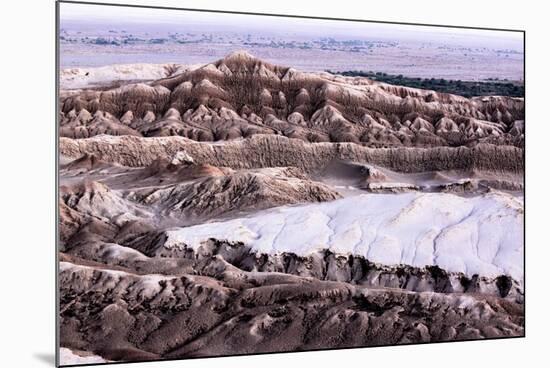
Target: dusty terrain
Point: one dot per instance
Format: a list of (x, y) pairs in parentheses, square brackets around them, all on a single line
[(242, 207)]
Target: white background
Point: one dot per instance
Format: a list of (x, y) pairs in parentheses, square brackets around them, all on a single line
[(27, 203)]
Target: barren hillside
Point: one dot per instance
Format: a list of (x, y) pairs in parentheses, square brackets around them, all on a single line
[(240, 96)]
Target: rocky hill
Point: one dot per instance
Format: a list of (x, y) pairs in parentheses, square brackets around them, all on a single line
[(240, 96)]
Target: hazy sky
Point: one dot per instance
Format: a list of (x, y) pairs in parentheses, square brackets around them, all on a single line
[(153, 18)]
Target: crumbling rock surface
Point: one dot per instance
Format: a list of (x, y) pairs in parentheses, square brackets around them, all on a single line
[(274, 151), (122, 315)]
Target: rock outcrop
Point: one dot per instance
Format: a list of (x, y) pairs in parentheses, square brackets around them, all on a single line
[(272, 151), (157, 316)]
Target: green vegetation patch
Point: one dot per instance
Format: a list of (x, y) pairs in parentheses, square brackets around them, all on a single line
[(488, 87)]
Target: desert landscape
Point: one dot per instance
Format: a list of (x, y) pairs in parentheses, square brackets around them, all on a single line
[(239, 206)]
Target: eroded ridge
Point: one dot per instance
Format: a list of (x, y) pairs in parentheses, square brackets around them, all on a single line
[(241, 96)]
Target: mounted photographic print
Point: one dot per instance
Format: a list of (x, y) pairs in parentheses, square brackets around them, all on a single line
[(239, 183)]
